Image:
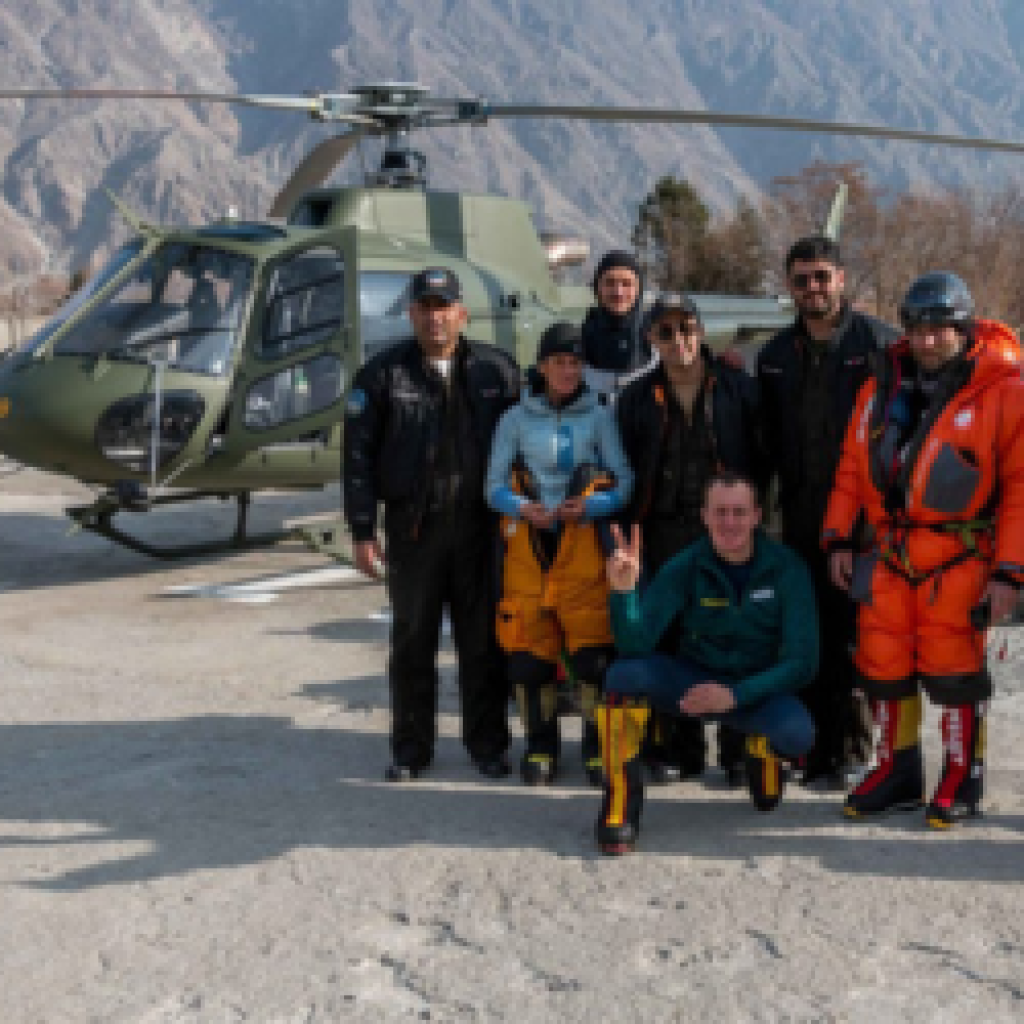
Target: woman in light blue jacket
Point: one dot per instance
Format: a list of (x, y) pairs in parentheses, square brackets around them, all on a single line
[(557, 472)]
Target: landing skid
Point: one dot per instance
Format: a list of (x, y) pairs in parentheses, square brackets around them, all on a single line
[(330, 540), (98, 518)]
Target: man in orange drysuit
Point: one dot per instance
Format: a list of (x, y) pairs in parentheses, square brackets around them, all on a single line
[(934, 457)]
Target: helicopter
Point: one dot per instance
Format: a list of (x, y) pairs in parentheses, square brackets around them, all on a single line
[(213, 360)]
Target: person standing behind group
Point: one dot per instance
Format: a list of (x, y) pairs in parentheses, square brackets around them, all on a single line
[(809, 375), (934, 458), (615, 349), (684, 419), (418, 426), (556, 470)]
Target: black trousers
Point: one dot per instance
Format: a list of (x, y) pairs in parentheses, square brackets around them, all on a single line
[(448, 564), (678, 739), (843, 737)]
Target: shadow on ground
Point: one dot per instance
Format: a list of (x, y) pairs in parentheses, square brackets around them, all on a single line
[(216, 792)]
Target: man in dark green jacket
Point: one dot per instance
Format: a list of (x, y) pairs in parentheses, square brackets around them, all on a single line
[(748, 640)]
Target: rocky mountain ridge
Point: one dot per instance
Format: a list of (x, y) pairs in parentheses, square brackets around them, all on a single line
[(931, 64)]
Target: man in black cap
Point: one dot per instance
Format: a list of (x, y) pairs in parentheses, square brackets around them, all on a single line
[(809, 375), (418, 426), (687, 418), (614, 347)]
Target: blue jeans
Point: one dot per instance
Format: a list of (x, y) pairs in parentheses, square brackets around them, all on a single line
[(663, 680)]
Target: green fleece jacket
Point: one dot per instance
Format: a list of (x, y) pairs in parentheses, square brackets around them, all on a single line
[(760, 642)]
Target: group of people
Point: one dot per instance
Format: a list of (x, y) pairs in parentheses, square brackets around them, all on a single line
[(599, 518)]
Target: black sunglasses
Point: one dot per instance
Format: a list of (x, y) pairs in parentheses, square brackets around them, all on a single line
[(818, 277), (666, 332)]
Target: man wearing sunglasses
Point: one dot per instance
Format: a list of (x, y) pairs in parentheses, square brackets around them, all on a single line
[(809, 375), (687, 417)]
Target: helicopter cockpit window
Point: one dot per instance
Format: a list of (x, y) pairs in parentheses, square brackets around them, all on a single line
[(383, 299), (306, 303), (114, 266), (294, 392), (182, 306)]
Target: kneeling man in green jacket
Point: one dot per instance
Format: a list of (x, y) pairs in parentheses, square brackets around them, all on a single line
[(748, 640)]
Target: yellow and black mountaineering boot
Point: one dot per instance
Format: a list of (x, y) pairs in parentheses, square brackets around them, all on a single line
[(537, 709), (765, 774), (896, 783), (592, 764), (620, 726), (963, 771)]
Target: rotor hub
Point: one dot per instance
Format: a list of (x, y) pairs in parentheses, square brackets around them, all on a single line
[(391, 94)]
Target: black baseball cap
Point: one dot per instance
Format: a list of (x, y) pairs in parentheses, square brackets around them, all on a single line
[(436, 282), (672, 302), (561, 337)]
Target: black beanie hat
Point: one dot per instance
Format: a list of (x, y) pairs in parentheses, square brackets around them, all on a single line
[(560, 337), (617, 258)]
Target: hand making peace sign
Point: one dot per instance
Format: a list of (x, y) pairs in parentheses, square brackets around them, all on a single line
[(623, 565)]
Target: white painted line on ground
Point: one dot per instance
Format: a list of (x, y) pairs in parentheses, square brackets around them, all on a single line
[(264, 590)]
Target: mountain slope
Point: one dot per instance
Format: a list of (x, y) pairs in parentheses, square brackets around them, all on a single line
[(929, 64)]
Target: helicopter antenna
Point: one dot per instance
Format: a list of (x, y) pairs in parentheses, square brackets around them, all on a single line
[(158, 397), (131, 218), (834, 221)]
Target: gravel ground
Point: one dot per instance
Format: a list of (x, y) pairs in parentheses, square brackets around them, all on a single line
[(193, 828)]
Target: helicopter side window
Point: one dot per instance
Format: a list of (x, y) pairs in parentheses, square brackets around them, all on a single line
[(301, 390), (306, 303), (383, 300)]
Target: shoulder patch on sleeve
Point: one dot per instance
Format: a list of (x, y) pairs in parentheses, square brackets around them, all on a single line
[(356, 402)]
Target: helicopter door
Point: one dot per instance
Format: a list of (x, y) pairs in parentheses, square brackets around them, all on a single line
[(294, 373)]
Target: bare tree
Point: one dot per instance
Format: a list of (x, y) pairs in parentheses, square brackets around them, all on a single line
[(799, 205), (887, 245)]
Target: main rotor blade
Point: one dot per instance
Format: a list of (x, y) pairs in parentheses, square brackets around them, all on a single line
[(722, 120), (313, 105), (314, 170)]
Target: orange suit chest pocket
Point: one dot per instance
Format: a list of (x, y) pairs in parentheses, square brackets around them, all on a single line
[(953, 479)]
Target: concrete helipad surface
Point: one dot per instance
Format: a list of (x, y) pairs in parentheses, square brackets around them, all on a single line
[(193, 827)]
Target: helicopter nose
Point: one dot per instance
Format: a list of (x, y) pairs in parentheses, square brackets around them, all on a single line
[(9, 407), (30, 415), (5, 398)]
